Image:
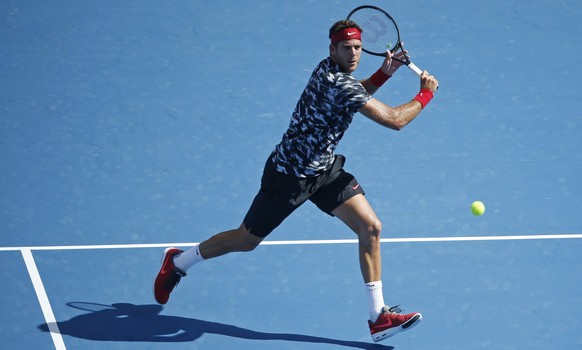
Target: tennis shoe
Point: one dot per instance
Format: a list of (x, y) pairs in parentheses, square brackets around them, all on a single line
[(168, 277), (391, 321)]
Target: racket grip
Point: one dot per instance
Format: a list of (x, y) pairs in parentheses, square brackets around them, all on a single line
[(414, 68)]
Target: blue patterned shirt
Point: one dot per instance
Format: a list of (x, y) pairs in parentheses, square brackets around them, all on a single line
[(322, 115)]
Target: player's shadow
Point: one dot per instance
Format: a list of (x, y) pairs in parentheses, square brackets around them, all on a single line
[(143, 323)]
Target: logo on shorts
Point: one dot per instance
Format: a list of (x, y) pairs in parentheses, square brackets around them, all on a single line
[(355, 187)]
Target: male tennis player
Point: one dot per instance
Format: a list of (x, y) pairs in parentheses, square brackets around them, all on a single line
[(303, 166)]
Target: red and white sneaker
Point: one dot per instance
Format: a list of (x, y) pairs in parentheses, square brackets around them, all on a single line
[(391, 322), (168, 277)]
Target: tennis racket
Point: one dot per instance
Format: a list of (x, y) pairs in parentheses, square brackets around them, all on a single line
[(380, 33)]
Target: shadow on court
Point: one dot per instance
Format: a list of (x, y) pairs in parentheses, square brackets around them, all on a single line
[(143, 323)]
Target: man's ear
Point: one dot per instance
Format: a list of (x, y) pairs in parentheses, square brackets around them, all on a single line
[(332, 49)]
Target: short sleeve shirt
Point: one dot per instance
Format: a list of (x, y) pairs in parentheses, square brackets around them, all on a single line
[(322, 115)]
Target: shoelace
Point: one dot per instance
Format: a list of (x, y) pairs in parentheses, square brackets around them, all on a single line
[(395, 309)]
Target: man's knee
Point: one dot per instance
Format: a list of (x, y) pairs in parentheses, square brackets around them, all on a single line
[(247, 241), (369, 235), (373, 229), (248, 245)]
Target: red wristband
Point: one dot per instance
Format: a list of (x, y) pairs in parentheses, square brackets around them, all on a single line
[(379, 78), (424, 97)]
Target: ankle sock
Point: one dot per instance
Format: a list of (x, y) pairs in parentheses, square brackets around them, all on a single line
[(375, 299), (184, 261)]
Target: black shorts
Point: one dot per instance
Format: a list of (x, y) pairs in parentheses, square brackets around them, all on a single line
[(281, 194)]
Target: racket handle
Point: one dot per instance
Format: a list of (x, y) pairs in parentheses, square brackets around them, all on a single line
[(414, 68)]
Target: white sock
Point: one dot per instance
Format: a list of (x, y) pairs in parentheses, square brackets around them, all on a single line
[(375, 299), (184, 261)]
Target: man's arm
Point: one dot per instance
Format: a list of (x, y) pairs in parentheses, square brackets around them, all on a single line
[(394, 118), (370, 87), (398, 117)]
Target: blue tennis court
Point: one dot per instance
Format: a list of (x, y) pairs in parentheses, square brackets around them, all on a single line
[(127, 127)]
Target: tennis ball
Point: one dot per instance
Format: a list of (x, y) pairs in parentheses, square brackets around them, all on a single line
[(478, 208)]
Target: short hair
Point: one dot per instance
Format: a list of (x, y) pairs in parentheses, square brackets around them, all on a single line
[(343, 24)]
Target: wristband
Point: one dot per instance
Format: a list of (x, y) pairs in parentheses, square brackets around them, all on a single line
[(424, 97), (379, 78)]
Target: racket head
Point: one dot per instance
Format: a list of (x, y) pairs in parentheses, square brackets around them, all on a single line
[(380, 32)]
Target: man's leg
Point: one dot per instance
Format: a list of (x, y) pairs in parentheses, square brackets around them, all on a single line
[(357, 213), (237, 240), (276, 199), (175, 262), (384, 322)]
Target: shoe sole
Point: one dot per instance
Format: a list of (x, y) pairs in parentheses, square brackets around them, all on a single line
[(392, 331), (161, 265)]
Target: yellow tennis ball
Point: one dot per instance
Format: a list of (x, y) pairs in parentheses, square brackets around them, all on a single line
[(478, 208)]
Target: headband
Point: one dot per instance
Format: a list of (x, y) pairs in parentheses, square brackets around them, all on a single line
[(346, 34)]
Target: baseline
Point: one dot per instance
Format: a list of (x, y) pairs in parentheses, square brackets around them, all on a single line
[(307, 242)]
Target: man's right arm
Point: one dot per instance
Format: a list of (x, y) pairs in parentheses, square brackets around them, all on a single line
[(396, 118)]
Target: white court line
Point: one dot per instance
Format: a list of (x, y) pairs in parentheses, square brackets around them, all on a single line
[(43, 299), (50, 317), (431, 239), (307, 242)]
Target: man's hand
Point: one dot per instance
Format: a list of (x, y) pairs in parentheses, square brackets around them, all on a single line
[(428, 81), (390, 65)]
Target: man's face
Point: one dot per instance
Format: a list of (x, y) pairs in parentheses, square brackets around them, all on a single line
[(347, 54)]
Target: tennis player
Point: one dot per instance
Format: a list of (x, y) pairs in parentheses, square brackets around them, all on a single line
[(303, 166)]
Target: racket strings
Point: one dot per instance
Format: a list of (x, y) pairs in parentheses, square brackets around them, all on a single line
[(379, 31)]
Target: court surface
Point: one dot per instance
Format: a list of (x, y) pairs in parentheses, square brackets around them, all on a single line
[(127, 127)]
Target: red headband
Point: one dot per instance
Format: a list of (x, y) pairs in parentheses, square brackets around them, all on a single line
[(346, 34)]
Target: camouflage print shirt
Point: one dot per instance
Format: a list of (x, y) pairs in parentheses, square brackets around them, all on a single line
[(322, 115)]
